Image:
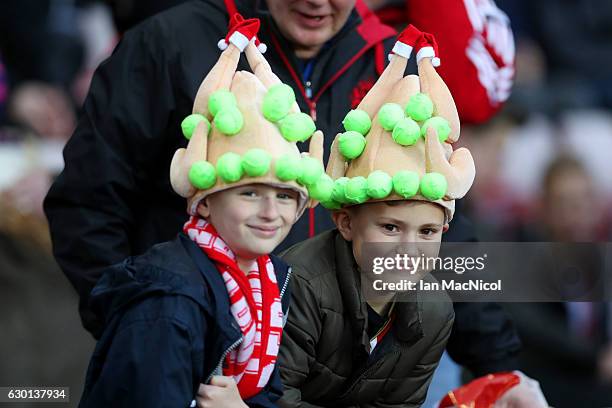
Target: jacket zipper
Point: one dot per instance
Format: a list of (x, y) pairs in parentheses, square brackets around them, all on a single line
[(218, 367), (308, 89), (311, 104), (225, 353), (282, 292)]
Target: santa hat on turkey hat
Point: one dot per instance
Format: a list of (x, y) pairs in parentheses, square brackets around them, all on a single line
[(241, 32), (414, 39)]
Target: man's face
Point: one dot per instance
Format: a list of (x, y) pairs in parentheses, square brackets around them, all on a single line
[(308, 24), (251, 219), (415, 227)]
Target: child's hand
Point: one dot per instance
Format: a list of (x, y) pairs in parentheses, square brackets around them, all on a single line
[(220, 393)]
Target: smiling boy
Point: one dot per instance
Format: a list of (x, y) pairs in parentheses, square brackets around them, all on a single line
[(395, 179), (198, 320)]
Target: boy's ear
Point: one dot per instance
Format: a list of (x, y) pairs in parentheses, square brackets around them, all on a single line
[(203, 208), (342, 219), (445, 228)]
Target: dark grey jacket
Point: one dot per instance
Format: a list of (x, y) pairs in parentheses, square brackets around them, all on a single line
[(324, 355)]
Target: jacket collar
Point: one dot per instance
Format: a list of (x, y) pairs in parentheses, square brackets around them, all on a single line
[(407, 327)]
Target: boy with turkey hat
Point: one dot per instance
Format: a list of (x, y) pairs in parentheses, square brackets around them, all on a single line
[(392, 177), (202, 315)]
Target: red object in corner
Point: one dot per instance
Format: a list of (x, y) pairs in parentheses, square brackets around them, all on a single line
[(483, 392), (476, 49)]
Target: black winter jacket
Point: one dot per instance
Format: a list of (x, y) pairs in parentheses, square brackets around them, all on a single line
[(168, 327)]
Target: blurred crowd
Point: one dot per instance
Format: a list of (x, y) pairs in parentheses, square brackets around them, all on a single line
[(544, 174), (48, 51)]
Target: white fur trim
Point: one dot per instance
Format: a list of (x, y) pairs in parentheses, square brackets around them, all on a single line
[(402, 49), (435, 61), (222, 44), (425, 52), (262, 48), (239, 40)]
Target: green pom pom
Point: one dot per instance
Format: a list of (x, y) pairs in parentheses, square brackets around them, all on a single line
[(338, 194), (389, 114), (440, 124), (433, 186), (357, 120), (229, 167), (406, 132), (229, 120), (331, 205), (419, 107), (406, 183), (256, 162), (379, 184), (297, 127), (312, 169), (189, 124), (351, 144), (278, 102), (202, 175), (356, 191), (322, 189), (220, 100), (288, 167)]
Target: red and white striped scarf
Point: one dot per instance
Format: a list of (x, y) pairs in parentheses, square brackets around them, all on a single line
[(255, 304)]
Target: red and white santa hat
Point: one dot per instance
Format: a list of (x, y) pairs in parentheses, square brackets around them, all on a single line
[(414, 39), (406, 42), (241, 32), (427, 47)]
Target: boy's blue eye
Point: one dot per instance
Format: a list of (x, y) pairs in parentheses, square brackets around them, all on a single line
[(428, 231), (248, 193)]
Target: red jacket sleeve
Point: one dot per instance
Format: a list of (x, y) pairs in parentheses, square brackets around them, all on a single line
[(476, 49)]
